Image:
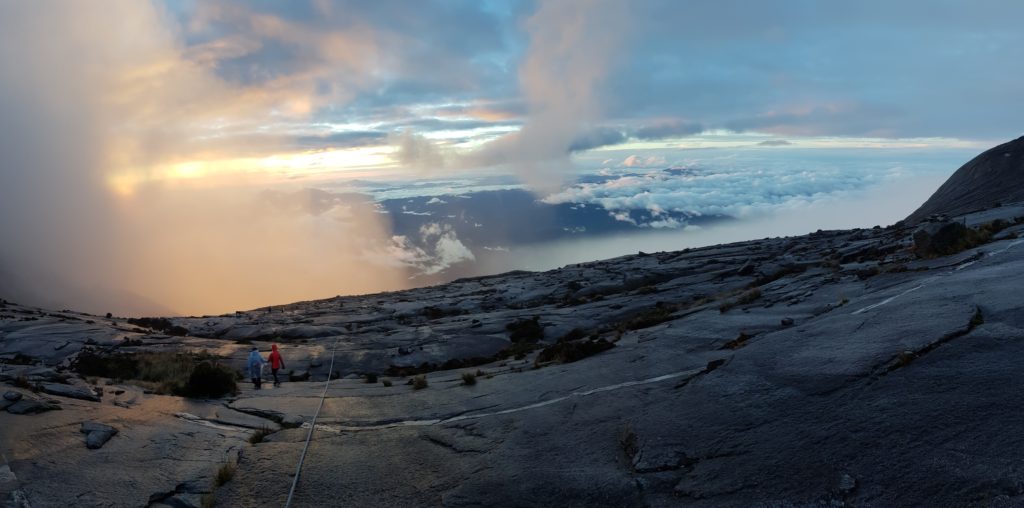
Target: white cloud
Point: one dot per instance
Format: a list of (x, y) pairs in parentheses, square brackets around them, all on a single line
[(437, 249), (741, 185), (637, 161)]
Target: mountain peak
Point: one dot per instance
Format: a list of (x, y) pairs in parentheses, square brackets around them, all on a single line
[(994, 176)]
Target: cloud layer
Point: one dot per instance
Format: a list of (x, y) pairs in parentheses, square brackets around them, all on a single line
[(751, 185)]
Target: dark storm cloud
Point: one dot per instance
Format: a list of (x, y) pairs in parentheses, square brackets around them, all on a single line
[(596, 138), (668, 130)]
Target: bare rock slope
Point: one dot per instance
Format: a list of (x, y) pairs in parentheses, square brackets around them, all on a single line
[(995, 176)]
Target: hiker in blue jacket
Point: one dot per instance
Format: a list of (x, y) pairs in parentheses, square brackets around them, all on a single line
[(256, 362)]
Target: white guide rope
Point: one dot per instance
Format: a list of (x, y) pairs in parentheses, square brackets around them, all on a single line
[(312, 427)]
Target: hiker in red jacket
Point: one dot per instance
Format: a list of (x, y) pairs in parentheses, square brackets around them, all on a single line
[(276, 362)]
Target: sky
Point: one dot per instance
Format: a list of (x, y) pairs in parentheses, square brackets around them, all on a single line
[(173, 156)]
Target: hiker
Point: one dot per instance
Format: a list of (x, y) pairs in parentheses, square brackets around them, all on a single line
[(276, 362), (256, 367)]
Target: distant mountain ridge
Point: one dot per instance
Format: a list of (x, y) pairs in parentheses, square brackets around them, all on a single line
[(994, 176)]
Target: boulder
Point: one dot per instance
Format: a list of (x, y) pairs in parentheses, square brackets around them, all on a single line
[(70, 391), (299, 375), (44, 374), (97, 434), (12, 396), (939, 238), (31, 406), (291, 421), (846, 483)]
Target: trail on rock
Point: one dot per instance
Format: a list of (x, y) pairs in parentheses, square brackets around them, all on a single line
[(473, 416)]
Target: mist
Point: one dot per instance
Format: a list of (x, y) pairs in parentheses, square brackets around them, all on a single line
[(94, 114)]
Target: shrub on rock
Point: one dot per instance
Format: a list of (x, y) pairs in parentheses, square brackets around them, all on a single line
[(568, 352), (419, 382), (525, 330), (210, 380)]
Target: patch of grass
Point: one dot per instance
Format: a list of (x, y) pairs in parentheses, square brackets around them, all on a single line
[(208, 500), (22, 382), (867, 273), (648, 318), (419, 382), (517, 350), (778, 274), (20, 359), (386, 382), (976, 320), (574, 334), (224, 474), (257, 437), (468, 378), (740, 341), (451, 364), (745, 298), (629, 444), (166, 373)]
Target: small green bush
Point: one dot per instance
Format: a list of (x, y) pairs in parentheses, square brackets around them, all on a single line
[(371, 378), (386, 382), (468, 378)]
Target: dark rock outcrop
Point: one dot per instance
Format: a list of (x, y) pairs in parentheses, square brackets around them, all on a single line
[(97, 434), (73, 392), (996, 176), (31, 406)]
